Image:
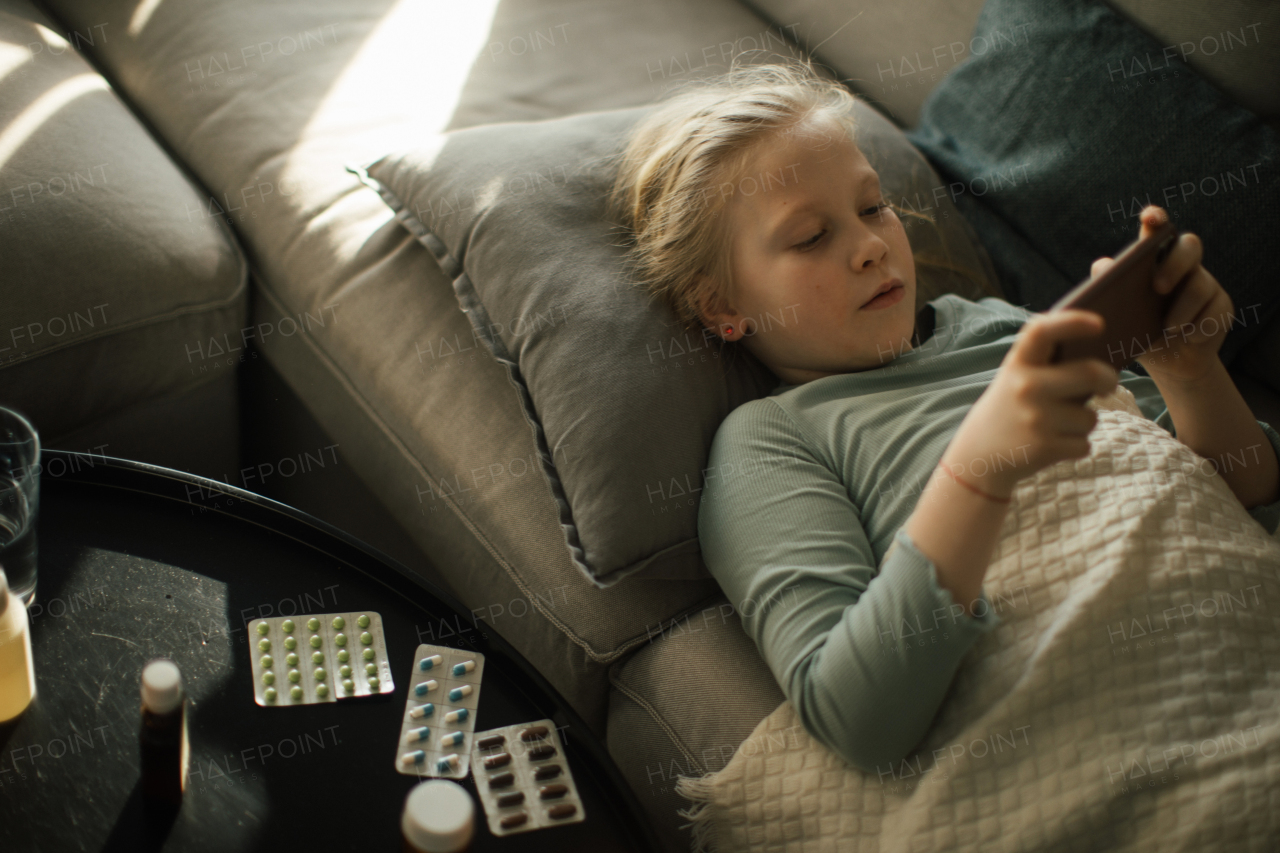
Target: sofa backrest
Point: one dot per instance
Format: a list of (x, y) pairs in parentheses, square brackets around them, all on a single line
[(895, 53)]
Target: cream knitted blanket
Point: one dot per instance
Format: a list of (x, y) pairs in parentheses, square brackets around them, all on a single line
[(1130, 699)]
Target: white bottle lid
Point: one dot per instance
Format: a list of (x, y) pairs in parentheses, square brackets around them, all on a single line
[(438, 816), (161, 686)]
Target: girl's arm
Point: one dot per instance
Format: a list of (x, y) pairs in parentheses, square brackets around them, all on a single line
[(1033, 413), (865, 649), (1211, 418)]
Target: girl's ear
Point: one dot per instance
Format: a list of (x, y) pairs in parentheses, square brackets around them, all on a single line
[(713, 312)]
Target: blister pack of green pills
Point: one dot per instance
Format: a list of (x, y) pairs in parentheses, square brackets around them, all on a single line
[(523, 778), (302, 660), (440, 713)]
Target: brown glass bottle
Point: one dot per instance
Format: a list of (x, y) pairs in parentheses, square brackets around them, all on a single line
[(162, 738)]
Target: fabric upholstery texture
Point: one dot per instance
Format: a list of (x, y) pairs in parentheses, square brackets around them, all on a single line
[(195, 429), (623, 401), (667, 719), (891, 53), (1054, 157), (1231, 43), (84, 187), (896, 53)]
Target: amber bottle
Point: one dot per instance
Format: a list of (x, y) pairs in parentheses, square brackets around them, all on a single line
[(163, 736)]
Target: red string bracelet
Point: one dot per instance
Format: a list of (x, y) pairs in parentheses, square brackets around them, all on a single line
[(945, 467)]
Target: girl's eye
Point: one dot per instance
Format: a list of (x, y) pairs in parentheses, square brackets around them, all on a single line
[(812, 241)]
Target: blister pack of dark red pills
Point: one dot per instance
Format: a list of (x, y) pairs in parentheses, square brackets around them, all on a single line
[(523, 778)]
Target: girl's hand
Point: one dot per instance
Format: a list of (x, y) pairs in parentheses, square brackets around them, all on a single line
[(1033, 414), (1199, 317)]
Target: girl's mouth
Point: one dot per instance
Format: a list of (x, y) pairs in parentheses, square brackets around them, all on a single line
[(892, 296)]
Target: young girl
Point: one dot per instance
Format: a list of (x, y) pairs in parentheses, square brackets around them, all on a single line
[(878, 473)]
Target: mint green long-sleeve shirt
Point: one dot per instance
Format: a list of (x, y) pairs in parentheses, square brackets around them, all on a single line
[(804, 494)]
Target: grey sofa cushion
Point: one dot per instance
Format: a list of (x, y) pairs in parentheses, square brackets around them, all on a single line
[(623, 402), (118, 288), (683, 705)]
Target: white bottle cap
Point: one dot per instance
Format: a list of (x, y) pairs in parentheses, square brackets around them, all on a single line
[(161, 686), (438, 816)]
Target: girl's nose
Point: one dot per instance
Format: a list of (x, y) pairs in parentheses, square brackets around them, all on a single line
[(871, 250)]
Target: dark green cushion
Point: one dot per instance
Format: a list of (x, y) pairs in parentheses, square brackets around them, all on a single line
[(1052, 142)]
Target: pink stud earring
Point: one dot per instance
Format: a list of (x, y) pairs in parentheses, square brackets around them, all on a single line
[(728, 330)]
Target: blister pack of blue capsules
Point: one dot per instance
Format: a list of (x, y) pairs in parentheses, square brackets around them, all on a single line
[(320, 658), (440, 713)]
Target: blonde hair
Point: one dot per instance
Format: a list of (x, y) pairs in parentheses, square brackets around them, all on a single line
[(668, 193)]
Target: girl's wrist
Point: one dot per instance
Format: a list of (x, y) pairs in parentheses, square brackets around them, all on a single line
[(993, 477), (971, 499), (994, 497), (1214, 371)]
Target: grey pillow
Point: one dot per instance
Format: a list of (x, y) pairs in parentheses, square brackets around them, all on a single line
[(623, 402)]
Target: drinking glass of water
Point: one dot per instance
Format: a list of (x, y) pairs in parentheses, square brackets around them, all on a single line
[(19, 502)]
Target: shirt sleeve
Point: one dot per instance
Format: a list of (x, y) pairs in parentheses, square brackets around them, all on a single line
[(865, 657), (1147, 394)]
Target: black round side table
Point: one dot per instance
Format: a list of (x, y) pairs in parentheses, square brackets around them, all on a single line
[(138, 562)]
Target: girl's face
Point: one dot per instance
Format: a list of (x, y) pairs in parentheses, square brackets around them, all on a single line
[(812, 244)]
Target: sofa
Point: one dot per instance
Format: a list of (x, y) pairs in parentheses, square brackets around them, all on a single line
[(192, 278)]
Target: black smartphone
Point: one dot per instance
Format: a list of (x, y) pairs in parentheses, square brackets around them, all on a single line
[(1132, 310)]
